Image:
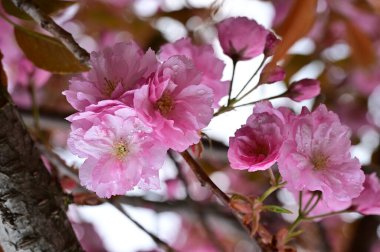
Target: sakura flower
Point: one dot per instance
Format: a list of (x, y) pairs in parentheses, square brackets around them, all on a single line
[(119, 149), (116, 70), (368, 201), (303, 89), (204, 60), (175, 104), (256, 145), (241, 38), (316, 157)]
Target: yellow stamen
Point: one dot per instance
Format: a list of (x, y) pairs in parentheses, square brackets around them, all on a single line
[(121, 150), (319, 162), (165, 104)]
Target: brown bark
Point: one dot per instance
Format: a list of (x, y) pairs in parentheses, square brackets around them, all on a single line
[(32, 211)]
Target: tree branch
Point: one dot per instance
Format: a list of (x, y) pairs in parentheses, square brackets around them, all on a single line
[(157, 240), (204, 178), (32, 209), (206, 181), (49, 25)]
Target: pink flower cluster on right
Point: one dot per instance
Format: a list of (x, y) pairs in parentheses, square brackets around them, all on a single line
[(312, 151)]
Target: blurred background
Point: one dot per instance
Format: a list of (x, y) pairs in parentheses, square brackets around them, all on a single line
[(340, 47)]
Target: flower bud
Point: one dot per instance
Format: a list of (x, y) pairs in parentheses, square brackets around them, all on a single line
[(271, 74), (303, 89), (271, 44)]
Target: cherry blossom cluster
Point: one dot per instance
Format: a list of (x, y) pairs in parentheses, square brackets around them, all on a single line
[(133, 106), (312, 152)]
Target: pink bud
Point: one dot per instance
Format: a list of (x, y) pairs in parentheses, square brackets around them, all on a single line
[(271, 75), (303, 89), (271, 44)]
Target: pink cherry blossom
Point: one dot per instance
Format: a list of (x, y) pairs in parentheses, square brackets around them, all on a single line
[(316, 157), (256, 144), (368, 201), (174, 104), (241, 38), (303, 89), (204, 60), (115, 71), (119, 150)]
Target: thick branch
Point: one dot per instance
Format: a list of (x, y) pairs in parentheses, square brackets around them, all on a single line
[(49, 25), (32, 211)]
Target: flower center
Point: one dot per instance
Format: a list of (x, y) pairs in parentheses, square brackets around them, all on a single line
[(121, 150), (260, 152), (165, 104), (319, 162), (110, 86)]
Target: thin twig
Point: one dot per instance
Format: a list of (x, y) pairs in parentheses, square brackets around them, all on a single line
[(204, 178), (206, 181), (157, 240), (58, 162), (200, 211), (49, 25)]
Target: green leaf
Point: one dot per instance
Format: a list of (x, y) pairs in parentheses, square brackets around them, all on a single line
[(47, 6), (277, 209), (47, 53)]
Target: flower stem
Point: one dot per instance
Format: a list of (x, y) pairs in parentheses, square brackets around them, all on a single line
[(293, 226), (300, 203), (307, 211), (250, 79), (252, 103), (273, 180), (325, 215), (269, 191), (234, 64)]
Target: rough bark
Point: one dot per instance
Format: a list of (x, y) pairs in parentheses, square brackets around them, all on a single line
[(32, 211)]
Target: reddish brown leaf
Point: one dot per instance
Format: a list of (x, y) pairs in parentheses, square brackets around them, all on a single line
[(47, 52), (361, 46), (296, 25)]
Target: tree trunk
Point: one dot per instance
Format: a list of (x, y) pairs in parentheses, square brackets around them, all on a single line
[(32, 210)]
